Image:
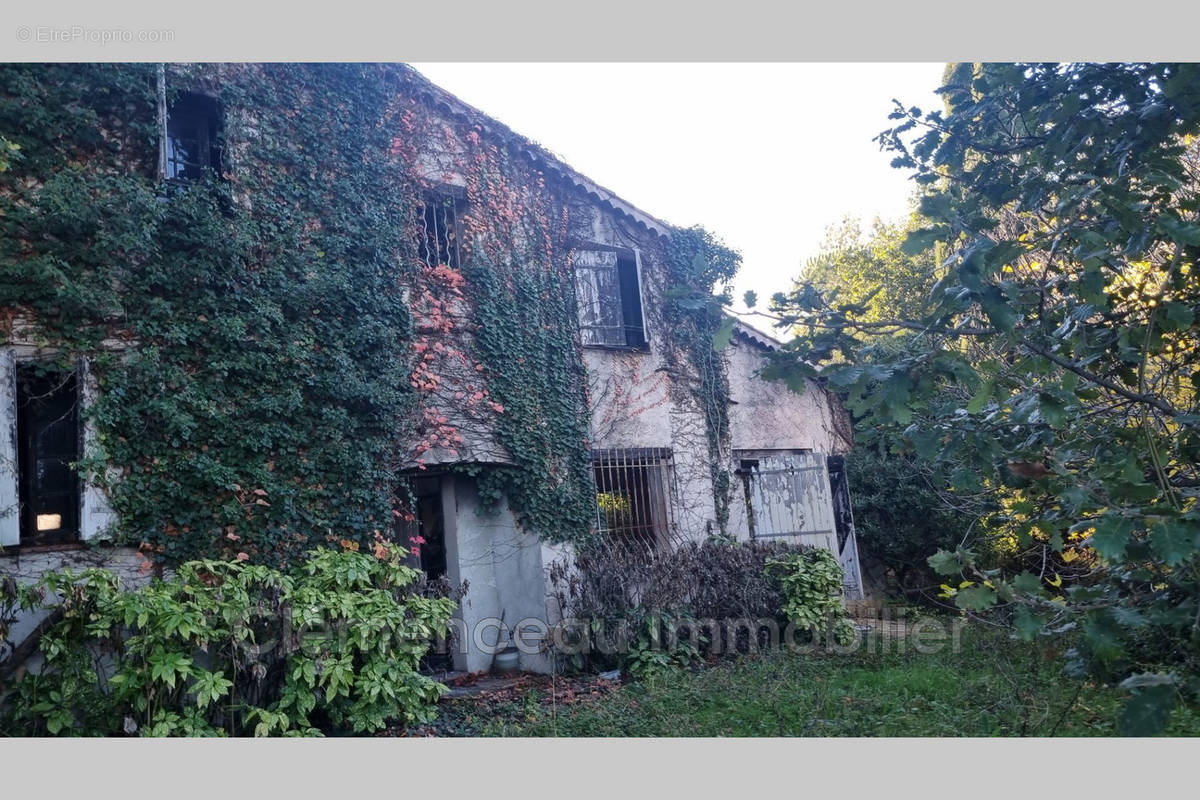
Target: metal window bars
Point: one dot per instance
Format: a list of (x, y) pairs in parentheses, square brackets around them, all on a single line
[(49, 440), (441, 234), (634, 497)]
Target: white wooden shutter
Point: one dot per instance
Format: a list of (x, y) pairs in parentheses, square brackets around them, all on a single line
[(95, 514), (790, 499), (598, 290), (10, 516)]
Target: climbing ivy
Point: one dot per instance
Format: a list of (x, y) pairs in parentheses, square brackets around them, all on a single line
[(252, 336), (549, 486), (697, 264), (522, 288)]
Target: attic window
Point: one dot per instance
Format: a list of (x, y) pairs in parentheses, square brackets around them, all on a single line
[(440, 238), (608, 287), (192, 141)]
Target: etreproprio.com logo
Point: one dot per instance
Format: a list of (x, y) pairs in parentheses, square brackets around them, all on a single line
[(83, 34)]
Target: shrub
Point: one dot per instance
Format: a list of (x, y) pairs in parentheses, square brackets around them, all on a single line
[(811, 583), (9, 606), (902, 515), (657, 609), (230, 648)]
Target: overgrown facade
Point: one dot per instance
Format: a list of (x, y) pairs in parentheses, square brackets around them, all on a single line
[(249, 309)]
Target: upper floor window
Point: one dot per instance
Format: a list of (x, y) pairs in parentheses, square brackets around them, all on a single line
[(608, 287), (440, 239), (192, 141)]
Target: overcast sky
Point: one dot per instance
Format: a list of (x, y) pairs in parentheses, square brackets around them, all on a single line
[(763, 155)]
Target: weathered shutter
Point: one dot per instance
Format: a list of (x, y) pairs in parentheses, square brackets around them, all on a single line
[(843, 513), (96, 515), (10, 516), (598, 289), (790, 499)]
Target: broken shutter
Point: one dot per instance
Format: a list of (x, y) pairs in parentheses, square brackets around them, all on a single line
[(844, 518), (10, 517), (598, 288)]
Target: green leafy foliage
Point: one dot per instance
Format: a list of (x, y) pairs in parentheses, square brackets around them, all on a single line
[(904, 513), (877, 269), (1052, 367), (251, 335), (811, 583), (657, 648), (526, 341), (264, 384), (229, 648)]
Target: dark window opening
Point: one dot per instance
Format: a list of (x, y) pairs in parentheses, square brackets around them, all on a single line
[(47, 445), (631, 302), (746, 468), (193, 138), (843, 514), (632, 503), (422, 529), (440, 241), (610, 299)]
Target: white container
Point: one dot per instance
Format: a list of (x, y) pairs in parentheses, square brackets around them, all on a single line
[(507, 661)]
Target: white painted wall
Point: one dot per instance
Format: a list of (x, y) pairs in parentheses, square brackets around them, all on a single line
[(503, 567), (96, 517), (767, 415)]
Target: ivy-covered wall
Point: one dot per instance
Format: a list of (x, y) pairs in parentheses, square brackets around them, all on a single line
[(271, 353), (697, 263), (259, 339)]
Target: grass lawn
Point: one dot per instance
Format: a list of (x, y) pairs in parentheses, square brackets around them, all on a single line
[(991, 687)]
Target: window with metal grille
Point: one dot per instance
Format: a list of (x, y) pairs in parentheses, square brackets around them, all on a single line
[(608, 287), (193, 135), (633, 496), (440, 240), (47, 445)]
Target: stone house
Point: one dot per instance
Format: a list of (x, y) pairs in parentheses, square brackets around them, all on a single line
[(663, 467)]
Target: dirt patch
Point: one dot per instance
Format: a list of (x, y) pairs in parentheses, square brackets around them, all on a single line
[(477, 704)]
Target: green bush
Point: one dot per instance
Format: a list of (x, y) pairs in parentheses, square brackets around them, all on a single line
[(811, 582), (903, 514), (230, 648), (658, 648)]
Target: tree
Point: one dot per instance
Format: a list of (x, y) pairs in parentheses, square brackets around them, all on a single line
[(1059, 354), (872, 268), (904, 507)]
